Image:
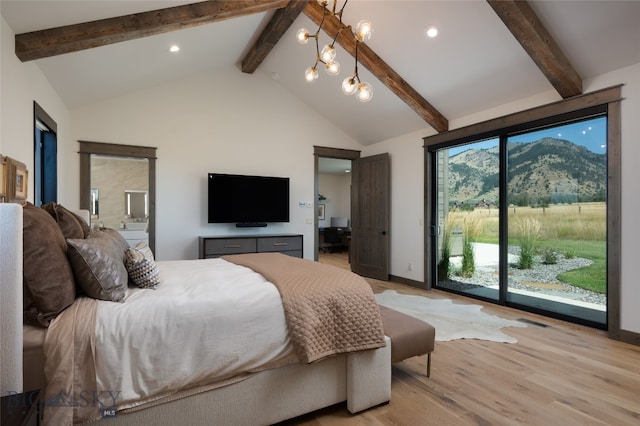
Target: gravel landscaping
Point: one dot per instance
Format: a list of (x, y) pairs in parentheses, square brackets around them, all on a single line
[(541, 278)]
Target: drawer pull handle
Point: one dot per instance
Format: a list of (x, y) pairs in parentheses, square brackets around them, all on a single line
[(232, 246), (280, 244)]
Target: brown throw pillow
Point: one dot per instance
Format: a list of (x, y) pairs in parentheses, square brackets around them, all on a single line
[(98, 265), (72, 225), (49, 285)]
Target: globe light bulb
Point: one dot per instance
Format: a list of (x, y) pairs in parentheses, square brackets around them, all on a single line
[(363, 30), (365, 92), (310, 74), (349, 86), (332, 68), (302, 36), (328, 53), (431, 31)]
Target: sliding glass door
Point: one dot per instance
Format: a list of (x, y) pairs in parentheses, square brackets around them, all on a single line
[(469, 219), (557, 223), (522, 219)]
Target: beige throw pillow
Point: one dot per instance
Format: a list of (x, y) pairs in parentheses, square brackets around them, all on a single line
[(141, 266)]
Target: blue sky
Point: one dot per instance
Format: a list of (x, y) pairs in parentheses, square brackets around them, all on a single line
[(591, 134)]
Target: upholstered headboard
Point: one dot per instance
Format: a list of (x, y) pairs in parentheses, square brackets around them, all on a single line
[(11, 298), (11, 303)]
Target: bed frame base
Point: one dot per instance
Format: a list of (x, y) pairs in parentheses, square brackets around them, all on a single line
[(362, 379)]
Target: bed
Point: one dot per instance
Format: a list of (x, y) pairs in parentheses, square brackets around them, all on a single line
[(265, 389)]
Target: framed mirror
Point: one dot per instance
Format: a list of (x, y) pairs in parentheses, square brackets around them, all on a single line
[(114, 171)]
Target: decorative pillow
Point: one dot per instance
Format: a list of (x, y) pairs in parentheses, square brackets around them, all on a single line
[(97, 263), (72, 225), (49, 286), (114, 235), (142, 269)]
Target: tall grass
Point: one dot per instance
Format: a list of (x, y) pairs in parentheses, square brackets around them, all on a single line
[(527, 232), (444, 265), (471, 230), (586, 221)]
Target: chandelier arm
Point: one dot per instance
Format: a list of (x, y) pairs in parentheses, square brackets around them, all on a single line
[(339, 14), (336, 37), (318, 47), (355, 74)]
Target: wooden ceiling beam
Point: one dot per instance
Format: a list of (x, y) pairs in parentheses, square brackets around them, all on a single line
[(73, 38), (527, 28), (271, 35), (378, 67)]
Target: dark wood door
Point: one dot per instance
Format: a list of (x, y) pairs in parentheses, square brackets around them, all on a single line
[(370, 205)]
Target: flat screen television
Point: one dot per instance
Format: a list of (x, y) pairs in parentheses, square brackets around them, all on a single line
[(247, 200)]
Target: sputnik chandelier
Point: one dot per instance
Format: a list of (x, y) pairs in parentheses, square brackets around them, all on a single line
[(327, 56)]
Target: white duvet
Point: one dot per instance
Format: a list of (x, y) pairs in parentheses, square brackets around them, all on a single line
[(207, 321)]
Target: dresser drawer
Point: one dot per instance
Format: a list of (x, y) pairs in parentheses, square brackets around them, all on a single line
[(219, 247), (284, 243)]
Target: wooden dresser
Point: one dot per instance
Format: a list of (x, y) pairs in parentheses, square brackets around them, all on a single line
[(290, 244)]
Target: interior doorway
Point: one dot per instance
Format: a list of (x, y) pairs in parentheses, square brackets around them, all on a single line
[(332, 202), (368, 226), (45, 157)]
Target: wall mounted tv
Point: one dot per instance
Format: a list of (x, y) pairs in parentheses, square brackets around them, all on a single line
[(248, 201)]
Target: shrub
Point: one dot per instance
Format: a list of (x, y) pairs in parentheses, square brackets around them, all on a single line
[(569, 254), (549, 257)]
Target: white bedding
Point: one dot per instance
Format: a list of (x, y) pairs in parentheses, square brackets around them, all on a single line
[(224, 319)]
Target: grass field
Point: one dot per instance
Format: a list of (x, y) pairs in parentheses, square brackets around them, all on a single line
[(579, 230)]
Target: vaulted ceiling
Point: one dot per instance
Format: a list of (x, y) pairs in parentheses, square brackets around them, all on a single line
[(487, 54)]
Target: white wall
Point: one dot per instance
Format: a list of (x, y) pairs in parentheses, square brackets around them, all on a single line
[(630, 106), (407, 171), (21, 84), (337, 190), (223, 121)]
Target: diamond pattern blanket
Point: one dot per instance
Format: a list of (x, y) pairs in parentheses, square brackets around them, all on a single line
[(328, 310)]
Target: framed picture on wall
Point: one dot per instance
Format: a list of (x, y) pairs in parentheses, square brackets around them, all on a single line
[(22, 178), (3, 178), (16, 180), (320, 211)]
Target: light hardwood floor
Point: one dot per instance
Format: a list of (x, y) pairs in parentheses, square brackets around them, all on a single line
[(561, 374)]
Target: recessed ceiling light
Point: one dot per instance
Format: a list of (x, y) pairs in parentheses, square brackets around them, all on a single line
[(431, 31), (174, 48)]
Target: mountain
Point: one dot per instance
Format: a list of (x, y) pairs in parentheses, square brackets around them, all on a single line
[(546, 171)]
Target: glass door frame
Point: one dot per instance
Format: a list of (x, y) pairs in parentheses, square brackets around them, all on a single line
[(605, 101)]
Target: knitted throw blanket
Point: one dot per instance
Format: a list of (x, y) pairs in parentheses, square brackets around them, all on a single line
[(328, 310)]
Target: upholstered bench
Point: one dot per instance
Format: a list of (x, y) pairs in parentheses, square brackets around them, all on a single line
[(409, 336)]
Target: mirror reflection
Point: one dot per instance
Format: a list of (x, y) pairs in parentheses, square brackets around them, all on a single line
[(136, 204), (114, 178), (94, 208)]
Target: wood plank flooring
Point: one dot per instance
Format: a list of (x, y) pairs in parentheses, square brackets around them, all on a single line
[(562, 374)]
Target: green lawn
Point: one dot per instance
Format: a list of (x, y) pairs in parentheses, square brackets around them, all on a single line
[(592, 277)]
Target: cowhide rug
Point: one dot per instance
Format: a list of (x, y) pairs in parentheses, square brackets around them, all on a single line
[(452, 321)]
